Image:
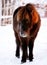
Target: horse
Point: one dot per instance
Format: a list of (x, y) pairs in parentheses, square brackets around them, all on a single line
[(26, 25)]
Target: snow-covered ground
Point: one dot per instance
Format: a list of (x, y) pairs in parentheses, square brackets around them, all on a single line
[(8, 46)]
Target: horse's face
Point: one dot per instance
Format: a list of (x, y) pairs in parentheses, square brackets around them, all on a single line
[(24, 27), (25, 24)]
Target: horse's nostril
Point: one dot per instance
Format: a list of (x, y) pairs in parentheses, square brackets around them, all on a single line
[(22, 32)]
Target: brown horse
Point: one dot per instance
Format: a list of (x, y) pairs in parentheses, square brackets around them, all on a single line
[(26, 24)]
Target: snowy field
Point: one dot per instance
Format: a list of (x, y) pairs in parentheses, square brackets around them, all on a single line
[(8, 46)]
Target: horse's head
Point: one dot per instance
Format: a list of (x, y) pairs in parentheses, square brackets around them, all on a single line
[(26, 17)]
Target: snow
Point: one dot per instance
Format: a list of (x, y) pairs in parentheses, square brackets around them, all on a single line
[(8, 46), (32, 1)]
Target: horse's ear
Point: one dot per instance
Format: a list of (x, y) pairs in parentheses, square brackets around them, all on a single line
[(35, 16), (15, 12), (20, 13)]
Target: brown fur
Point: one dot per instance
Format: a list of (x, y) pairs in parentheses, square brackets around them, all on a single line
[(29, 13)]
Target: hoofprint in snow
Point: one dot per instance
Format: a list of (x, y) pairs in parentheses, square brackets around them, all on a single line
[(8, 46)]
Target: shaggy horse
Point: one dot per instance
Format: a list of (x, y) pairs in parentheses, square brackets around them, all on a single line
[(26, 24)]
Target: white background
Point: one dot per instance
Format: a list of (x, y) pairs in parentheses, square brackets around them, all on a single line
[(8, 45)]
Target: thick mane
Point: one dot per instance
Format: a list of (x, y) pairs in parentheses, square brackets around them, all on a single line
[(32, 12), (28, 12)]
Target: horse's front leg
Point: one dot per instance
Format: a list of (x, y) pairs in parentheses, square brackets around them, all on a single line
[(17, 48), (17, 45), (31, 44), (24, 50)]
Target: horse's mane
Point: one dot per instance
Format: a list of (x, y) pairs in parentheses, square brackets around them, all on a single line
[(27, 11)]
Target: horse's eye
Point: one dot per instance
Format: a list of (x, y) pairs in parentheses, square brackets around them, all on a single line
[(19, 23)]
